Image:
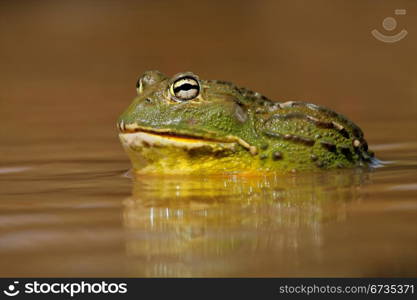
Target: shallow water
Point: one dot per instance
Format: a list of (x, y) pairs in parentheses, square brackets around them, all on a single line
[(88, 217), (69, 206)]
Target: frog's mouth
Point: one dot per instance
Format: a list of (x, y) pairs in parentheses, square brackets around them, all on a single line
[(143, 139), (135, 137)]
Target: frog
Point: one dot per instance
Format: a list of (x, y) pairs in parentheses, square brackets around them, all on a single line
[(187, 125)]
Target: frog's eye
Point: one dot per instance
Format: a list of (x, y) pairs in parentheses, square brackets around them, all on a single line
[(147, 79), (185, 88), (139, 86)]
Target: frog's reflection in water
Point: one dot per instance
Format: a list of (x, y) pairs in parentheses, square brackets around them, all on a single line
[(233, 225)]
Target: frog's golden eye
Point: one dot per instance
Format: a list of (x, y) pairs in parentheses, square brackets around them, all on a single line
[(185, 88), (147, 79), (139, 86)]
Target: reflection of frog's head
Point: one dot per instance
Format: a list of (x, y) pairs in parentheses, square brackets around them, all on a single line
[(215, 219), (188, 120)]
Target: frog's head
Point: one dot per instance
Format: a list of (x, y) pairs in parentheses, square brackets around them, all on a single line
[(186, 120)]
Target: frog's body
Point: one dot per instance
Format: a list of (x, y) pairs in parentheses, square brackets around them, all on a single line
[(187, 125)]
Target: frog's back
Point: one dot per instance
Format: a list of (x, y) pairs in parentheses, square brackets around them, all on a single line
[(304, 136), (296, 135)]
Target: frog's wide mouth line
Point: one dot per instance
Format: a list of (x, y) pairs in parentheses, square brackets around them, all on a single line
[(172, 135), (142, 139), (137, 136)]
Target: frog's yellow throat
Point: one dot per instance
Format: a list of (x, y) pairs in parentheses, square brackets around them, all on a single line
[(152, 152)]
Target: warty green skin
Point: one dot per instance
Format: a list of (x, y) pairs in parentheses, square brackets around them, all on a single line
[(271, 136)]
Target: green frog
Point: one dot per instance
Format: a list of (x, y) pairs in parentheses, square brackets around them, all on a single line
[(187, 125)]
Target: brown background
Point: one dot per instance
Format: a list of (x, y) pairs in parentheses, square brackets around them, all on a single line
[(68, 68)]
